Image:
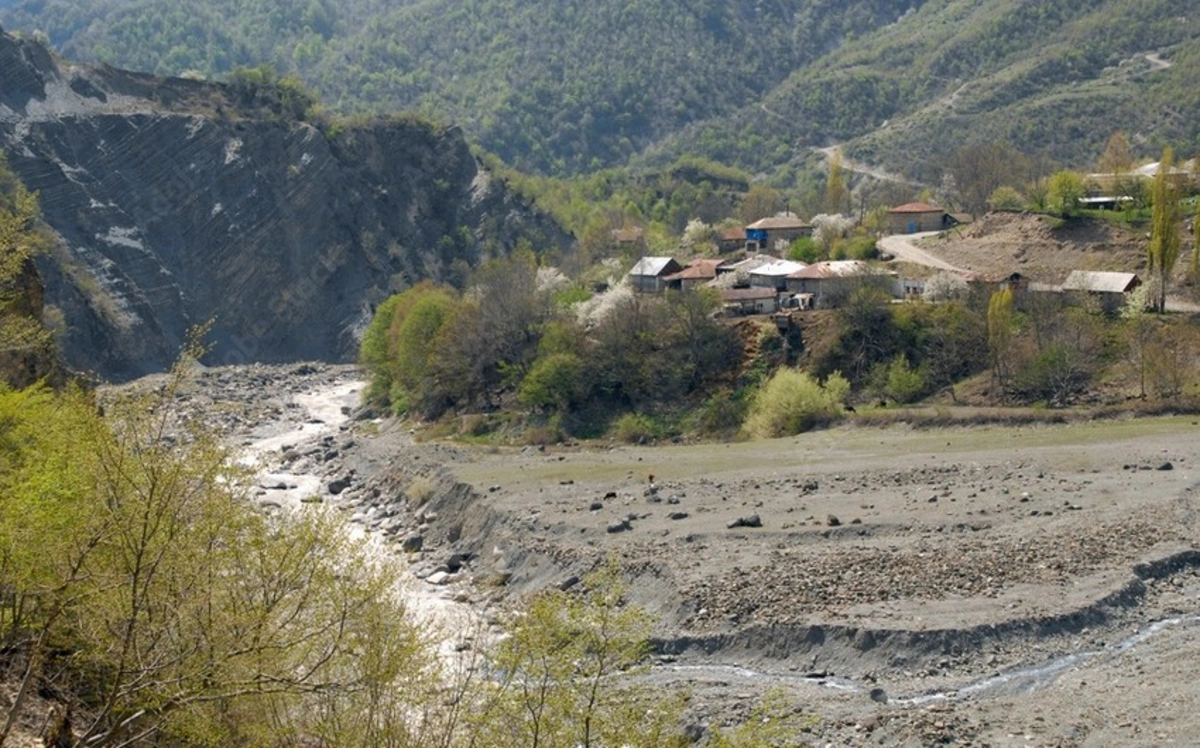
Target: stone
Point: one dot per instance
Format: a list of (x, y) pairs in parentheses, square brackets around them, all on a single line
[(595, 506), (621, 525), (438, 578), (878, 695), (412, 543), (338, 485), (1166, 466), (832, 520), (752, 520), (677, 515), (568, 583)]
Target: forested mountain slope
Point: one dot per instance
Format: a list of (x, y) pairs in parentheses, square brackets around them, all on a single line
[(568, 86)]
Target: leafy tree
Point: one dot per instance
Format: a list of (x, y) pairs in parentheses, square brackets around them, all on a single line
[(173, 609), (761, 201), (556, 674), (980, 169), (1001, 329), (1005, 198), (1064, 192), (1163, 250), (1116, 158), (553, 382), (837, 195)]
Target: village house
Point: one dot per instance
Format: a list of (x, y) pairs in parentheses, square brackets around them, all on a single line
[(731, 239), (1110, 288), (650, 273), (740, 301), (830, 281), (911, 218), (775, 234), (774, 274), (697, 273)]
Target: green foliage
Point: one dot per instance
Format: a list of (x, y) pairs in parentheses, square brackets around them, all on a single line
[(399, 347), (898, 380), (792, 401), (1006, 198), (635, 428), (1165, 241), (171, 606), (1001, 328), (805, 249), (556, 673), (553, 382), (21, 331), (1064, 193)]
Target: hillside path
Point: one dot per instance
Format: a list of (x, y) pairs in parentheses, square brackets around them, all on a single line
[(903, 247)]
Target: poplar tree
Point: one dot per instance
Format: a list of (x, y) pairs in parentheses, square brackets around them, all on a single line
[(1163, 251)]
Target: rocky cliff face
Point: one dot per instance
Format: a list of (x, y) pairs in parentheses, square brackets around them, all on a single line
[(179, 202)]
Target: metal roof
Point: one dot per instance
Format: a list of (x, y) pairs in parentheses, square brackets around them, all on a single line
[(752, 262), (653, 266), (779, 222), (1100, 282), (832, 269), (778, 268)]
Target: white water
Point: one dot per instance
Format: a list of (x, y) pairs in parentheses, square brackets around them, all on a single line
[(323, 412)]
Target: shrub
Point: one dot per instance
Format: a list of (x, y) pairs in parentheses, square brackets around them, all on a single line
[(634, 428), (1006, 198), (553, 382), (420, 490), (792, 401)]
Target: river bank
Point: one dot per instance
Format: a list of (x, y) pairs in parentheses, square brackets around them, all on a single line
[(982, 585)]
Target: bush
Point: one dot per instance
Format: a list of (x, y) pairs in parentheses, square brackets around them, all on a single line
[(897, 380), (420, 490), (792, 402), (634, 428), (553, 382)]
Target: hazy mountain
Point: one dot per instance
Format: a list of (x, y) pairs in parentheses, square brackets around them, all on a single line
[(569, 86)]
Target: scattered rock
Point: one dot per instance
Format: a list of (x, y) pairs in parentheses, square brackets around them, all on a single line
[(752, 520), (621, 525), (832, 520), (338, 485), (1166, 466), (677, 515), (412, 543), (878, 695)]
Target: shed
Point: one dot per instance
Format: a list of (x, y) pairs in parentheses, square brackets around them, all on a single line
[(1093, 281), (913, 217), (737, 301), (649, 274), (776, 233)]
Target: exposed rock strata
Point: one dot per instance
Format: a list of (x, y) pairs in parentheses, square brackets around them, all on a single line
[(182, 201)]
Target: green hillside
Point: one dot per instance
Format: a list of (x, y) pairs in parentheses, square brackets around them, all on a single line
[(570, 87)]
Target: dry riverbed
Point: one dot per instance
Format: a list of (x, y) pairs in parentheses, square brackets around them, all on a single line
[(975, 586)]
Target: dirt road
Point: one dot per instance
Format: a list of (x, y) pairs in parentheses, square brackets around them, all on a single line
[(904, 248)]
